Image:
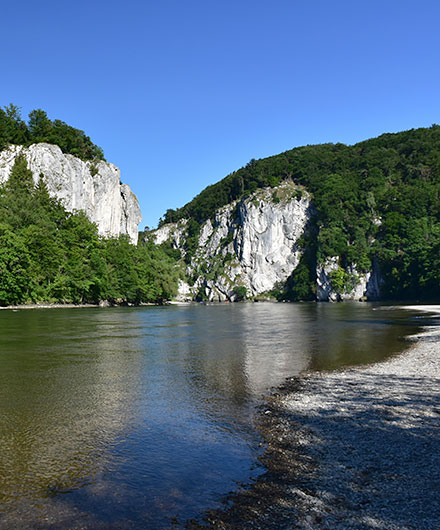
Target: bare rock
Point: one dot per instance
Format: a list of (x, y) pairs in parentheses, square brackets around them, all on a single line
[(93, 187)]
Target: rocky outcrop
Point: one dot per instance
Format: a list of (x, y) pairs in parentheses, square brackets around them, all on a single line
[(94, 187), (249, 247), (335, 283), (173, 232)]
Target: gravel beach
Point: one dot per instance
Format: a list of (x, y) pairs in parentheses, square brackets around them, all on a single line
[(355, 448)]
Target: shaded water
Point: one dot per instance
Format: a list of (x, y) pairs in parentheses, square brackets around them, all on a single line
[(129, 417)]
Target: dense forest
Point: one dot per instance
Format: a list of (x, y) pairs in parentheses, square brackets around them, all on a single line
[(50, 255), (376, 201), (39, 128)]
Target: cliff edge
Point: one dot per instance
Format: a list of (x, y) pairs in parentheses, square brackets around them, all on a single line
[(93, 187)]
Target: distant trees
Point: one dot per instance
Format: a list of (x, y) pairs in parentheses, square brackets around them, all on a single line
[(13, 130)]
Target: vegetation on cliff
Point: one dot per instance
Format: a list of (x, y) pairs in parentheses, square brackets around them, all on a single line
[(376, 201), (50, 255), (39, 128)]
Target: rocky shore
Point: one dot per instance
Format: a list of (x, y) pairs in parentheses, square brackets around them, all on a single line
[(356, 448)]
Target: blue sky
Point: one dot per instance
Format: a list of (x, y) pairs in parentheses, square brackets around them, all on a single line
[(181, 93)]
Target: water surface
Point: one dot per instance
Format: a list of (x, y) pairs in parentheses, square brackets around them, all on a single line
[(130, 417)]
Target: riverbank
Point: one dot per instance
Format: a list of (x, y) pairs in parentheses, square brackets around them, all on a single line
[(46, 306), (356, 448), (103, 304)]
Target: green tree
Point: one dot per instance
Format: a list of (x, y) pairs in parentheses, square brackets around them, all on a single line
[(40, 126), (14, 262), (17, 205), (240, 292), (13, 128)]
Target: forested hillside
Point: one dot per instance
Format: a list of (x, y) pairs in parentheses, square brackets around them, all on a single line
[(378, 200), (50, 255)]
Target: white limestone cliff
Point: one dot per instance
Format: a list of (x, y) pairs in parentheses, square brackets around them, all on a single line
[(94, 187), (251, 243), (173, 232)]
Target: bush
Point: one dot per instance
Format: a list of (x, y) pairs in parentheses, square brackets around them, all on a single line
[(240, 293)]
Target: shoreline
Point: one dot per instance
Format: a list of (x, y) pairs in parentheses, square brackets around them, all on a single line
[(354, 448), (73, 306), (105, 304), (46, 306)]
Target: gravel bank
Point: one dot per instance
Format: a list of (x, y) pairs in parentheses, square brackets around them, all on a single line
[(356, 448)]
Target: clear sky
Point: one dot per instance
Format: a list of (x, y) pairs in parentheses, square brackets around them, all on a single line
[(179, 93)]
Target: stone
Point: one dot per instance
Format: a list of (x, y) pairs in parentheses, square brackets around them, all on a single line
[(93, 187), (361, 286), (250, 243), (253, 243)]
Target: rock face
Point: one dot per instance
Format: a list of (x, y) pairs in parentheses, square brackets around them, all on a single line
[(251, 244), (94, 187)]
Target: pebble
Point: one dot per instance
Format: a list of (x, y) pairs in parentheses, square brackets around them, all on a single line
[(379, 453)]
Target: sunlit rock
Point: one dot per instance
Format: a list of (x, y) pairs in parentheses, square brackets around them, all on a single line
[(252, 243), (93, 187)]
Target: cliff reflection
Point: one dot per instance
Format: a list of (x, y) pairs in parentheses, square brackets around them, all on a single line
[(246, 349), (234, 353)]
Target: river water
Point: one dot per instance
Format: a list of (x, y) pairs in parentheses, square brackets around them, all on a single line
[(141, 417)]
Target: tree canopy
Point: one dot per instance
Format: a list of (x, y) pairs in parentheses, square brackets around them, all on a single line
[(39, 128)]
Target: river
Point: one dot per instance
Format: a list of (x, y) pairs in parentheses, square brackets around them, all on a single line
[(141, 417)]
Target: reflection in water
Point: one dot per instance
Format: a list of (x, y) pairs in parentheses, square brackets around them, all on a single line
[(66, 403), (126, 417)]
